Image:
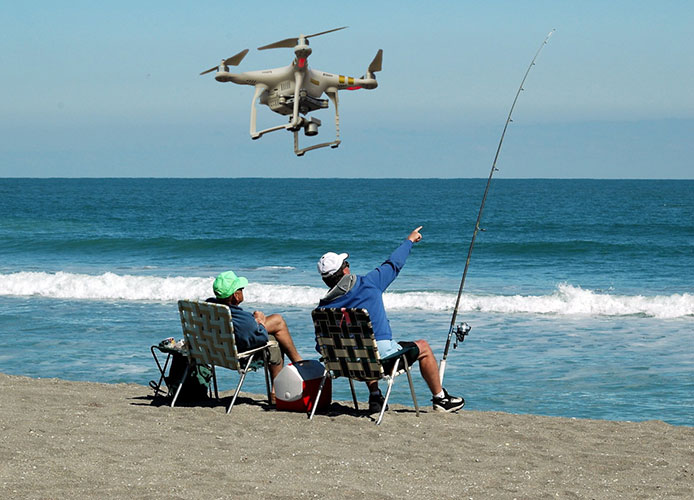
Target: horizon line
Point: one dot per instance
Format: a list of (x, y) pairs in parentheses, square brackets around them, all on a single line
[(357, 178)]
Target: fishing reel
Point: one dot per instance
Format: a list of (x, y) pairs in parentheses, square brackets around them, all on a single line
[(460, 332)]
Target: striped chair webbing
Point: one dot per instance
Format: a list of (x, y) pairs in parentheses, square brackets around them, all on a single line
[(346, 340), (209, 333)]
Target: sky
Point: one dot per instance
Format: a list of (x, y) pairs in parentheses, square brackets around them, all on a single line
[(112, 89)]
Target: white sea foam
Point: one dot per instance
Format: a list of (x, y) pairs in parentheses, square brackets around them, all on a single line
[(565, 300), (107, 286)]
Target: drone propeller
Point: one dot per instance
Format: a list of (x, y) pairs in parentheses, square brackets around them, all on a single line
[(377, 62), (293, 42), (232, 61)]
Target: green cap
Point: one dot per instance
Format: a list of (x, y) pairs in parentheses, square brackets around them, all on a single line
[(227, 283)]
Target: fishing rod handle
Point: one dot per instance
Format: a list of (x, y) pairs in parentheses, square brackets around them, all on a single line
[(442, 370)]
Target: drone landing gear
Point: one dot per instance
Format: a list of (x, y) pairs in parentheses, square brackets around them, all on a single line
[(301, 152), (259, 89), (257, 135), (311, 127)]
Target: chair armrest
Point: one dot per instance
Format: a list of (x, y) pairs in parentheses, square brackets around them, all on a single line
[(247, 353), (170, 350), (398, 353)]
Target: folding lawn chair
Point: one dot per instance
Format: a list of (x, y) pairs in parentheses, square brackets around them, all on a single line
[(346, 341), (209, 334)]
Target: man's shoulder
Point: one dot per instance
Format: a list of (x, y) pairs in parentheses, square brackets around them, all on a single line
[(361, 287), (232, 308), (215, 300), (373, 277), (238, 311)]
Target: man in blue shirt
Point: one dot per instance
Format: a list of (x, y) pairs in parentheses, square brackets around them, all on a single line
[(254, 330), (366, 292)]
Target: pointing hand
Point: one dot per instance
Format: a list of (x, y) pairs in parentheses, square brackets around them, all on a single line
[(414, 236)]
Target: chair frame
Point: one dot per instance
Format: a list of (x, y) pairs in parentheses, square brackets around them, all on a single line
[(208, 331), (348, 347)]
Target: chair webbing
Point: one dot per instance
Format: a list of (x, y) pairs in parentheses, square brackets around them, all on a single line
[(209, 333), (346, 340)]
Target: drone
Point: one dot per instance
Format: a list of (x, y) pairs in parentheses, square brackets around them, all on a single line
[(296, 90)]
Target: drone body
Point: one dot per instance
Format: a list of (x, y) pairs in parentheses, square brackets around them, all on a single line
[(296, 89)]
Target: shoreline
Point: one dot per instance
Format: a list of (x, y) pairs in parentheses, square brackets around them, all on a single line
[(83, 440)]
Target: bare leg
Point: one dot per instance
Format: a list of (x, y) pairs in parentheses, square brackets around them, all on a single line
[(428, 366), (276, 325), (274, 371)]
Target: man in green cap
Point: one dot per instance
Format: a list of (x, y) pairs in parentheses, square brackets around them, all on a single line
[(254, 330)]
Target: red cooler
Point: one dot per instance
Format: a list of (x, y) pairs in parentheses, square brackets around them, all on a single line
[(296, 386)]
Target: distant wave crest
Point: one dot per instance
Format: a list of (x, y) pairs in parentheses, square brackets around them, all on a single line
[(565, 300), (275, 268)]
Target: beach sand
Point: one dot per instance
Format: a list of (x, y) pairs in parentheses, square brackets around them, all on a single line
[(63, 439)]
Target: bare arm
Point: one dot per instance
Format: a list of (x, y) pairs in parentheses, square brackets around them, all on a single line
[(259, 317)]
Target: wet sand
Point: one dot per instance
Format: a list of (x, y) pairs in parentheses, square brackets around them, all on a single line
[(78, 440)]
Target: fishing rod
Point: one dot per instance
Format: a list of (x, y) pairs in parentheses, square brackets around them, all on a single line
[(462, 330)]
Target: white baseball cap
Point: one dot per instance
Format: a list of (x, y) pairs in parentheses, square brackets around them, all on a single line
[(330, 263)]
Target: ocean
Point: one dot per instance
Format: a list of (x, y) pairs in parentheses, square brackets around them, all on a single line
[(580, 293)]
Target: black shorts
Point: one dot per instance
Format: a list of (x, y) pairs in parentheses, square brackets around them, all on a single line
[(411, 354)]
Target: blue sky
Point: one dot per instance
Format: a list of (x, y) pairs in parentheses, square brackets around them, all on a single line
[(113, 90)]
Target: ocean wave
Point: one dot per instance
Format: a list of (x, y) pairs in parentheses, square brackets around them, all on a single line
[(107, 286), (275, 268), (565, 300)]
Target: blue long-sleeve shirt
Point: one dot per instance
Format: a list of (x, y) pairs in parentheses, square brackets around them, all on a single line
[(248, 332), (367, 292)]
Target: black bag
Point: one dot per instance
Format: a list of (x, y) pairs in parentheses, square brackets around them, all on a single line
[(198, 382)]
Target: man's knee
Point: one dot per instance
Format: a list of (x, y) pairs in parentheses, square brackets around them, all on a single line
[(275, 323), (424, 348), (277, 317)]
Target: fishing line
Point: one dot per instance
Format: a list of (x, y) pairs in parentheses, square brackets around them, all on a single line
[(462, 330)]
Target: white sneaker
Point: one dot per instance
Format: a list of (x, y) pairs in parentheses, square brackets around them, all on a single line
[(447, 403)]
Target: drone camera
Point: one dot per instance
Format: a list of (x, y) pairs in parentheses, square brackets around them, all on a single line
[(311, 127)]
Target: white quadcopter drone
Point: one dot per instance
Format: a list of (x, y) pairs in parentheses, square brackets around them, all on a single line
[(296, 89)]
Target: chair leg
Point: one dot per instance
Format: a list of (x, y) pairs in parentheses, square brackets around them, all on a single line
[(320, 391), (266, 366), (214, 381), (408, 369), (354, 394), (162, 371), (390, 388), (243, 377), (180, 384)]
